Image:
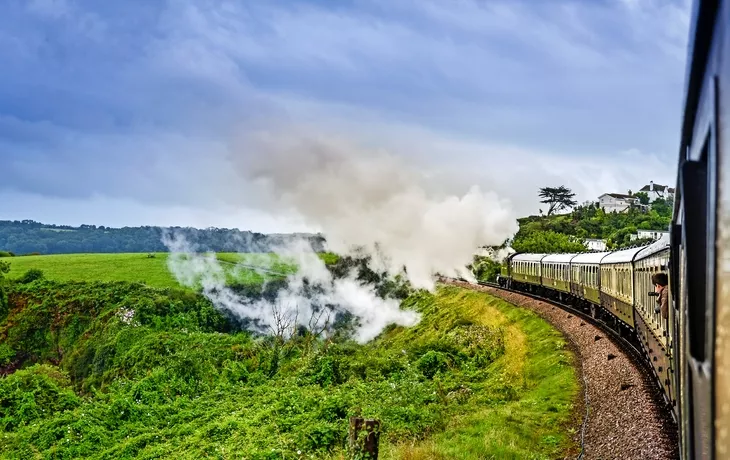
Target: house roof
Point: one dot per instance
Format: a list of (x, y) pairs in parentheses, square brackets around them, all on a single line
[(619, 196), (657, 188)]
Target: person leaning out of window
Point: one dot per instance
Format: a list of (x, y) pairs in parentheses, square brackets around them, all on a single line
[(660, 282)]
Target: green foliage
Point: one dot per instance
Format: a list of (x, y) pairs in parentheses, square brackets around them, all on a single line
[(34, 393), (4, 269), (485, 268), (6, 254), (27, 237), (152, 271), (643, 197), (546, 241), (432, 363), (120, 370), (31, 275), (55, 316), (536, 233)]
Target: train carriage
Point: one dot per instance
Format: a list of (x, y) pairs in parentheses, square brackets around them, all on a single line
[(654, 332), (556, 271), (617, 284), (526, 268), (585, 276)]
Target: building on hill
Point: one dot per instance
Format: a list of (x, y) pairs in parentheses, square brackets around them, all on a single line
[(595, 244), (616, 202), (655, 191), (653, 234)]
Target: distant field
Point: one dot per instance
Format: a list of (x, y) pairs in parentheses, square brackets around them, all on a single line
[(137, 267)]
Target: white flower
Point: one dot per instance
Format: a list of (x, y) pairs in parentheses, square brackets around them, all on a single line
[(126, 315)]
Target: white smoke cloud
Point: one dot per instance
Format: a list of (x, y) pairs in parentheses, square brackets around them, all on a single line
[(372, 200), (295, 305)]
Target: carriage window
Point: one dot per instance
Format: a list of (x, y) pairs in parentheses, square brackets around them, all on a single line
[(622, 286)]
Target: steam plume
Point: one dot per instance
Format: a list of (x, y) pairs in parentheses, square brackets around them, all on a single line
[(366, 202), (374, 201), (311, 299)]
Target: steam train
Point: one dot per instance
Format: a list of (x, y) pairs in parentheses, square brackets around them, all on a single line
[(690, 350)]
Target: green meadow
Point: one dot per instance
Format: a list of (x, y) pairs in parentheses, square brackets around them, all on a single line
[(153, 271)]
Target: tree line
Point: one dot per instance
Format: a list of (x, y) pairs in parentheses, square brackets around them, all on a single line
[(27, 237)]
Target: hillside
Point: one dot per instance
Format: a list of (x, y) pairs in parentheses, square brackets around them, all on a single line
[(115, 370), (563, 233), (27, 236)]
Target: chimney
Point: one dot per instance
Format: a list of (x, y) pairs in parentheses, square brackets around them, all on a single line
[(651, 185)]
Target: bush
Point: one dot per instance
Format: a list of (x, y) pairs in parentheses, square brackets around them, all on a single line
[(6, 254), (31, 275), (39, 391), (485, 269), (432, 363)]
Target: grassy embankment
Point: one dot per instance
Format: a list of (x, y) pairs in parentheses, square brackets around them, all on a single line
[(477, 378)]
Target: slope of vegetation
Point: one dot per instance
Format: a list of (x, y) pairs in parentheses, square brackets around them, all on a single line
[(122, 370), (565, 232)]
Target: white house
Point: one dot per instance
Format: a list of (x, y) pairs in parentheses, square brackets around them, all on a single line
[(616, 202), (653, 234), (595, 244), (657, 191)]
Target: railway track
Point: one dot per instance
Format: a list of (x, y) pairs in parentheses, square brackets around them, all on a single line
[(661, 417)]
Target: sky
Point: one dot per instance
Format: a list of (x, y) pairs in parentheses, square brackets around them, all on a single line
[(127, 113)]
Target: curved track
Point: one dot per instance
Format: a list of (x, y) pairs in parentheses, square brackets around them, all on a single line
[(625, 413)]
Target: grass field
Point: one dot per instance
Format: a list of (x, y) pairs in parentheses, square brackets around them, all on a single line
[(138, 267), (524, 409)]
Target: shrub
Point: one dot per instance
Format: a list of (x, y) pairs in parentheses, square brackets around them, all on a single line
[(39, 391), (432, 363), (31, 275)]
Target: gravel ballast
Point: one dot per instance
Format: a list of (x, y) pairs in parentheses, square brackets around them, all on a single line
[(624, 421)]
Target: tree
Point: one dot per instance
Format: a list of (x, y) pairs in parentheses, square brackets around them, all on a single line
[(558, 198), (485, 268), (643, 197)]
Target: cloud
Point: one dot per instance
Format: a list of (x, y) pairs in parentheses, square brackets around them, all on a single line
[(141, 101)]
